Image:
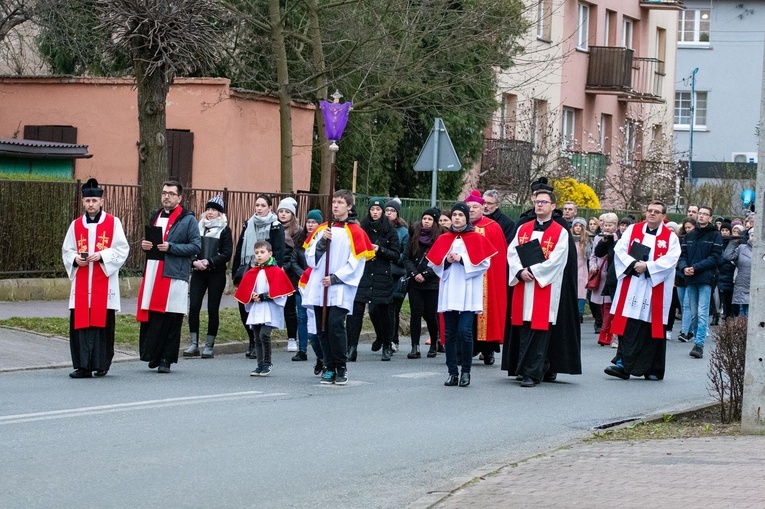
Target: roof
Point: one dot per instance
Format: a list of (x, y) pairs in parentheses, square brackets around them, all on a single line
[(722, 170), (12, 147)]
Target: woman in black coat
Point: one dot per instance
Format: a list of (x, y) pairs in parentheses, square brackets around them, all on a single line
[(376, 286), (423, 282)]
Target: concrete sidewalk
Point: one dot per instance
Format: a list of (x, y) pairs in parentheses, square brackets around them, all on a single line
[(713, 472)]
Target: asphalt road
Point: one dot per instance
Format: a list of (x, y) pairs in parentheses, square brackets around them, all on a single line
[(209, 435)]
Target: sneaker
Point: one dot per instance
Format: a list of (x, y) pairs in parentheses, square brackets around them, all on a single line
[(266, 370), (682, 337), (257, 372), (615, 343), (292, 345), (300, 356), (697, 352), (328, 377), (668, 335), (393, 347), (341, 377)]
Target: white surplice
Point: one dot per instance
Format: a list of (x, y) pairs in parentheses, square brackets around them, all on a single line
[(461, 286), (550, 272), (638, 302), (342, 263), (178, 298), (112, 258), (270, 312)]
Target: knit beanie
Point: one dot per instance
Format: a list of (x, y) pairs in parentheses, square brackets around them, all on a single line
[(377, 202), (395, 204), (314, 214), (727, 225), (216, 202), (434, 213), (579, 220), (462, 207), (288, 203)]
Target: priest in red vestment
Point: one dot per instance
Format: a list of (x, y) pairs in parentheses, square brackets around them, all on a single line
[(489, 328)]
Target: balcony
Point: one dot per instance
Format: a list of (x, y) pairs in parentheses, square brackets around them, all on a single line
[(615, 70), (589, 168), (667, 5)]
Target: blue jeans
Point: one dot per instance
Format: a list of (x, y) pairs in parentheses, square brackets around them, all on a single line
[(581, 303), (698, 297), (303, 337), (458, 332), (689, 323), (743, 310)]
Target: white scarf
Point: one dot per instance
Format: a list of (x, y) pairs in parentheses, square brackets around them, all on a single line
[(212, 227)]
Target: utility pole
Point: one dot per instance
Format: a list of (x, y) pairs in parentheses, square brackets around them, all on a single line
[(693, 123), (753, 405)]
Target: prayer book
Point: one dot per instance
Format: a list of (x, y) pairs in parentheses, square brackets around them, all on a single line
[(154, 235), (530, 253)]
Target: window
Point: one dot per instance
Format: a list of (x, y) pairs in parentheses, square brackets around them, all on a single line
[(583, 30), (544, 19), (693, 26), (569, 128), (609, 34), (684, 110), (631, 133), (627, 28), (507, 126), (539, 127)]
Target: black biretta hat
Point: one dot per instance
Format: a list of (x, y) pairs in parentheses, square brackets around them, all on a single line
[(90, 189)]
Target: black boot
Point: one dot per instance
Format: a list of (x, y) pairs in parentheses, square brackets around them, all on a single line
[(353, 351), (386, 353), (251, 350), (432, 351), (415, 353)]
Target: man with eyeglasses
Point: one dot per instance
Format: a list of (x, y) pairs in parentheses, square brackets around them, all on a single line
[(491, 202), (700, 257), (163, 298), (644, 261), (539, 283)]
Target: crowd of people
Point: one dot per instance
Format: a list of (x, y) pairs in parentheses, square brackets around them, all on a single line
[(482, 282)]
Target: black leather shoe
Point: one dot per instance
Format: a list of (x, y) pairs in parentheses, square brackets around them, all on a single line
[(550, 377), (527, 382), (353, 352), (519, 378), (464, 379), (488, 359), (386, 354), (376, 345), (153, 364), (415, 353), (101, 372), (432, 352), (452, 381), (317, 368), (300, 356), (164, 366), (80, 373), (652, 378), (617, 371)]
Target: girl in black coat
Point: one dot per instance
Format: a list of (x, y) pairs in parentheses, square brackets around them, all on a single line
[(423, 282), (376, 286)]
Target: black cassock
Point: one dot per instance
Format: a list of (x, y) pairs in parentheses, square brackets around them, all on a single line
[(564, 350), (92, 348)]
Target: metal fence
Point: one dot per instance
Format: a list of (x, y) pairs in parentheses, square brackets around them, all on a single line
[(38, 214)]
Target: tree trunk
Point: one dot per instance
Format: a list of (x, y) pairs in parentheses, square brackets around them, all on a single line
[(317, 57), (285, 99), (152, 146)]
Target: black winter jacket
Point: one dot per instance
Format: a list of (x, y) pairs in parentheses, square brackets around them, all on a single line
[(702, 250), (217, 263), (377, 284), (275, 238), (603, 248), (419, 265), (727, 268)]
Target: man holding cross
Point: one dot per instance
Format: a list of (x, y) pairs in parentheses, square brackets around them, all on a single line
[(644, 259)]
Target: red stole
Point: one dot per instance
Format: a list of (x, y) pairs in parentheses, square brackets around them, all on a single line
[(540, 314), (93, 313), (279, 285), (161, 289), (361, 246), (619, 321), (477, 246)]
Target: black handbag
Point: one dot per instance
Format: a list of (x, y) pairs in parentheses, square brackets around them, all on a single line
[(402, 285), (240, 272)]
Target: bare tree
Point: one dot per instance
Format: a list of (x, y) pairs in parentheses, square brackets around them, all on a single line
[(13, 13)]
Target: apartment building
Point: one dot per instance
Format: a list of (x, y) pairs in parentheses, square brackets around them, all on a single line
[(594, 89)]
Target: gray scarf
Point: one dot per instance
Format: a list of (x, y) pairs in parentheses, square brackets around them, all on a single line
[(258, 228), (212, 227)]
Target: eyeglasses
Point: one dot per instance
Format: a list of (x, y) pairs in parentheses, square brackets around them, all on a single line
[(654, 211), (542, 202), (169, 193), (487, 202)]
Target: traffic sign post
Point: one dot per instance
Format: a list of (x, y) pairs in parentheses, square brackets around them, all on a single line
[(438, 154)]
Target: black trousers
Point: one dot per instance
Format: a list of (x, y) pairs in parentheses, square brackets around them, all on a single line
[(394, 311), (334, 340), (290, 317), (212, 283), (424, 304), (381, 321), (243, 316), (532, 352)]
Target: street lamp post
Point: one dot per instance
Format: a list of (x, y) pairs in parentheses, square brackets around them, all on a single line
[(335, 120)]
